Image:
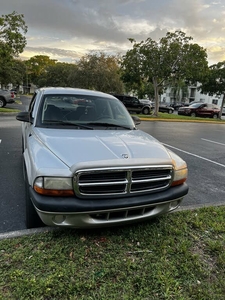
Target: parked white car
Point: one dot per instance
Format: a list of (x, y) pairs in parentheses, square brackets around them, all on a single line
[(87, 165), (6, 97)]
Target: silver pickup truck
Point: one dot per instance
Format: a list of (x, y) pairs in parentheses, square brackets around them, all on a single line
[(6, 97), (86, 164)]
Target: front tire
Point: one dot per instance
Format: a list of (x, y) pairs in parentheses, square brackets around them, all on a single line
[(170, 111), (215, 116), (193, 114), (32, 218), (145, 111), (2, 102)]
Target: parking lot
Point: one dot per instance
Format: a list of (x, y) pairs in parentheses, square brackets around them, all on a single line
[(201, 145)]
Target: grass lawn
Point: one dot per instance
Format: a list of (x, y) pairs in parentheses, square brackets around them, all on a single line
[(8, 110), (177, 256), (179, 118)]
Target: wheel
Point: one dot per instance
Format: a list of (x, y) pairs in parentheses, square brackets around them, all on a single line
[(2, 102), (145, 111), (170, 111), (193, 114), (32, 218), (215, 116)]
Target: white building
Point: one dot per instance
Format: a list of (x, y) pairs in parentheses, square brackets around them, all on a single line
[(191, 94)]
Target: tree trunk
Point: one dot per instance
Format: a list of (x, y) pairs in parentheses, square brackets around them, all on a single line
[(222, 105), (156, 92)]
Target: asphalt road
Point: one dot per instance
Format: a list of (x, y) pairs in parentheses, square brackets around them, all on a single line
[(201, 145)]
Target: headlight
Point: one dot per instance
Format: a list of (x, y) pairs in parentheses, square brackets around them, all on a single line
[(180, 169), (54, 186)]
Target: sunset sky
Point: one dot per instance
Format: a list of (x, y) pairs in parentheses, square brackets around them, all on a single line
[(67, 29)]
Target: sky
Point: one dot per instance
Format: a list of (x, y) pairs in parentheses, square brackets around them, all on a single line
[(66, 30)]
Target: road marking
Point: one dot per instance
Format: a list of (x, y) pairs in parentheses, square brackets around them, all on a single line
[(213, 142), (0, 141), (195, 155)]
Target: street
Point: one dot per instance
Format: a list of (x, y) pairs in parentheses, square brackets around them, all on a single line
[(201, 145)]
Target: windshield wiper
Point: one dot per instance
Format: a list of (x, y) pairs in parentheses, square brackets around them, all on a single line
[(109, 125), (57, 122)]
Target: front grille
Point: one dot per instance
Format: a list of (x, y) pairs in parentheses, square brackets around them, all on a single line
[(114, 182), (102, 176), (123, 214)]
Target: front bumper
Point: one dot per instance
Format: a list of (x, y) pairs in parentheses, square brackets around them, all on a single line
[(82, 213)]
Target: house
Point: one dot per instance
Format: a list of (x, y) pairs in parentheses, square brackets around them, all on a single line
[(188, 95)]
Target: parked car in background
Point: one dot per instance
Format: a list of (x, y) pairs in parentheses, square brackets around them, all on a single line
[(133, 104), (87, 165), (13, 95), (177, 105), (14, 90), (146, 101), (200, 110), (164, 107), (192, 102), (6, 97)]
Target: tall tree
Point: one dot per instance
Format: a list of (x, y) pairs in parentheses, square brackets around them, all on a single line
[(12, 30), (59, 74), (98, 71), (37, 67), (214, 82), (12, 43), (17, 72), (173, 56)]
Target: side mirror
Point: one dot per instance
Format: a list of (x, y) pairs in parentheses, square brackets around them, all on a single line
[(24, 116), (136, 120)]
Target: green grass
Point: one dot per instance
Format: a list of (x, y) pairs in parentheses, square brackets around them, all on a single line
[(177, 256), (179, 118), (8, 110)]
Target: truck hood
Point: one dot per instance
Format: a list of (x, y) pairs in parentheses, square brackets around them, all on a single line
[(75, 147)]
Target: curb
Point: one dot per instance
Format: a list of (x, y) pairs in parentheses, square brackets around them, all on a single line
[(24, 232)]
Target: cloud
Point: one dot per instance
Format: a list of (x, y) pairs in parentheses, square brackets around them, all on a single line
[(59, 54), (74, 27)]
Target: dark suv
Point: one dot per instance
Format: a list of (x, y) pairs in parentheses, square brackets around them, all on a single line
[(133, 104)]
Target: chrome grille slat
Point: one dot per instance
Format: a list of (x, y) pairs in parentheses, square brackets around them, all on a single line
[(151, 180), (129, 180), (103, 183)]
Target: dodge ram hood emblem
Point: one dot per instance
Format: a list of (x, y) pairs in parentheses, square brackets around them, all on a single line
[(125, 155)]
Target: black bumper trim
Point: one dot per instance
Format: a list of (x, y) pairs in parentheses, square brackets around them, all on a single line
[(74, 204)]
